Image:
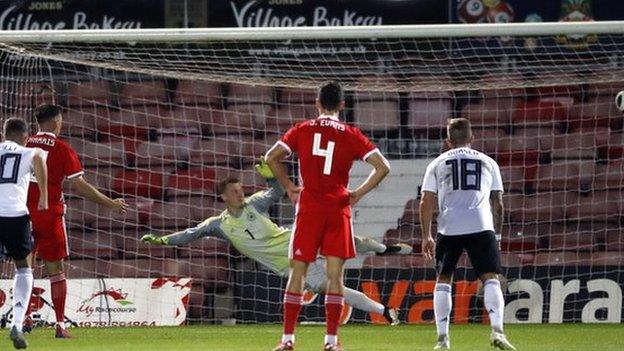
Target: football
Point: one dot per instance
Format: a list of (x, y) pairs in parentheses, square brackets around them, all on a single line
[(619, 101)]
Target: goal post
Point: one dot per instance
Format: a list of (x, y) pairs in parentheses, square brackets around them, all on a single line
[(160, 116)]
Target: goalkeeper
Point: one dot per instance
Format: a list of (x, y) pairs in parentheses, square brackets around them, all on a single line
[(246, 225)]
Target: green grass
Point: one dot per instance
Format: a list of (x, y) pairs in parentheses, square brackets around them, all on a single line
[(354, 337)]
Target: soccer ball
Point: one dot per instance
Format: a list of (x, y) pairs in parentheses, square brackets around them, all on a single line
[(619, 101)]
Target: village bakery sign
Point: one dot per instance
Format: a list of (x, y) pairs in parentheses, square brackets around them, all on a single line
[(77, 14)]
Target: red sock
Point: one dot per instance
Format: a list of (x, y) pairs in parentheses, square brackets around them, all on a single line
[(292, 307), (333, 310), (59, 292)]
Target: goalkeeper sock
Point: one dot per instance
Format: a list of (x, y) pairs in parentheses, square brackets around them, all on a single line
[(494, 303), (333, 309), (442, 305), (360, 301), (292, 307), (58, 287), (22, 287)]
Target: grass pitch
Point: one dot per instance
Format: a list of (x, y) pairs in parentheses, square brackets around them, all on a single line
[(354, 338)]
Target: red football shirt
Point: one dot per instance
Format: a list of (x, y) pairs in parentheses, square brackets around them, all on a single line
[(62, 163), (326, 149)]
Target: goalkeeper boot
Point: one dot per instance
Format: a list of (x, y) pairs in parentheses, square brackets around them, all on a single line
[(332, 347), (28, 325), (62, 333), (19, 342), (499, 341), (285, 346), (397, 249), (443, 343), (392, 315)]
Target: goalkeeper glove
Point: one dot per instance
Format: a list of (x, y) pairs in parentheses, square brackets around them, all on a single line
[(263, 169), (153, 239)]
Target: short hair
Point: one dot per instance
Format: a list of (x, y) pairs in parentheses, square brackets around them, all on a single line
[(47, 112), (459, 131), (330, 95), (224, 183), (15, 127)]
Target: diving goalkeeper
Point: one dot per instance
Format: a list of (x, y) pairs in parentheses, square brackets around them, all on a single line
[(246, 225)]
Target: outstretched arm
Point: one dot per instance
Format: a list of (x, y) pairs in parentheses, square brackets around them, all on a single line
[(274, 158), (209, 227), (263, 200), (498, 211), (381, 168), (41, 174), (91, 193)]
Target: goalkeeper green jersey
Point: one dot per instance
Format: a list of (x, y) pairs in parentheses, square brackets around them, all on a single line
[(252, 233)]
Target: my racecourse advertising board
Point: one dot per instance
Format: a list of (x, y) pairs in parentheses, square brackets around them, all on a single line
[(534, 294), (112, 302)]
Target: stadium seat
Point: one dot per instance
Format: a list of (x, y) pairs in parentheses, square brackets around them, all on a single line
[(483, 136), (100, 154), (252, 181), (202, 207), (132, 247), (81, 122), (595, 206), (139, 183), (144, 92), (608, 258), (521, 238), (171, 215), (534, 208), (124, 125), (80, 214), (169, 151), (376, 116), (214, 151), (100, 176), (191, 181), (517, 178), (609, 175), (196, 92), (26, 94), (409, 234), (280, 119), (92, 93), (509, 143), (230, 123), (573, 241), (135, 216), (594, 113), (256, 113), (540, 112), (429, 110), (294, 97), (566, 175), (211, 272), (490, 112), (570, 146), (562, 258), (410, 212), (137, 267), (187, 121), (92, 245), (604, 86), (249, 94), (554, 85)]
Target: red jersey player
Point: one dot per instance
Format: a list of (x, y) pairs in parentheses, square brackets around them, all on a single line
[(49, 226), (326, 148)]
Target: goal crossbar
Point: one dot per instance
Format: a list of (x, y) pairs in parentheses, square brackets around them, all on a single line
[(319, 33)]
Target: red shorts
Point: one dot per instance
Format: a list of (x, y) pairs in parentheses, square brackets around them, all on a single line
[(50, 236), (329, 234)]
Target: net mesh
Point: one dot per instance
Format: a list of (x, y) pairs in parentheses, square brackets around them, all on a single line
[(159, 124)]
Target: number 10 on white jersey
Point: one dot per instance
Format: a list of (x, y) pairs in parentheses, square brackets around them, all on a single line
[(327, 153)]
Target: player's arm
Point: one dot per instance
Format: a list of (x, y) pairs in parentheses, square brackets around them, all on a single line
[(209, 227), (89, 192), (274, 158), (498, 210), (41, 174), (263, 200), (381, 168), (428, 205)]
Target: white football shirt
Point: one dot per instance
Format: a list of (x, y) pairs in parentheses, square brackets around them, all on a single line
[(462, 178), (16, 168)]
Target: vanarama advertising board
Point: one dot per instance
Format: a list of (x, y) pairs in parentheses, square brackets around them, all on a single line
[(113, 302)]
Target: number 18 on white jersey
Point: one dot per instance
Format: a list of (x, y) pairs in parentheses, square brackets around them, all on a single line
[(15, 172), (463, 178)]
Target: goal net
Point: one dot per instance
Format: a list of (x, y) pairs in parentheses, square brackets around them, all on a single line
[(160, 116)]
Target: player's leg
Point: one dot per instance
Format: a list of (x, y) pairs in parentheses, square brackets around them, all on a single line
[(303, 249), (52, 249), (334, 300), (316, 281), (18, 244), (448, 251), (484, 255), (365, 245)]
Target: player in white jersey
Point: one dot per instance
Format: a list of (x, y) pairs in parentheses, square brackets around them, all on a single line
[(17, 164), (468, 188)]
